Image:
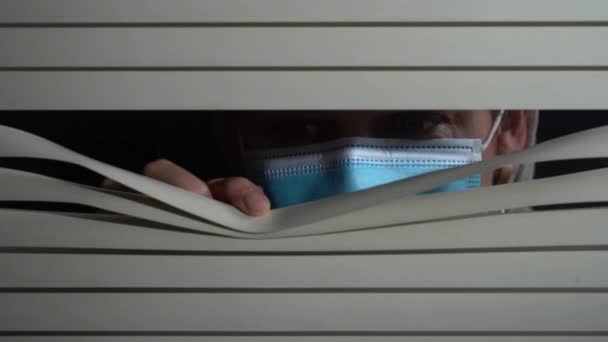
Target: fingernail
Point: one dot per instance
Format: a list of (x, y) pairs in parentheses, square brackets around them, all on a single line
[(256, 203)]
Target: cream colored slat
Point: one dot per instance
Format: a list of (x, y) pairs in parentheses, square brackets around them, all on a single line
[(302, 312), (20, 186), (439, 271), (25, 186), (223, 11), (360, 209), (591, 187), (473, 202), (276, 90), (555, 229), (303, 339), (304, 47)]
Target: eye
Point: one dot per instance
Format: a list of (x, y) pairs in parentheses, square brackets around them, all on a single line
[(301, 131), (416, 125), (311, 130)]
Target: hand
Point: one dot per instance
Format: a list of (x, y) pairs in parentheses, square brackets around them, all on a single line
[(237, 191)]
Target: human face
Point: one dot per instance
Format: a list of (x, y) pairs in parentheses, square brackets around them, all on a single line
[(284, 129)]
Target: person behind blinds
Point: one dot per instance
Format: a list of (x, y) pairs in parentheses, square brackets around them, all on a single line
[(288, 158)]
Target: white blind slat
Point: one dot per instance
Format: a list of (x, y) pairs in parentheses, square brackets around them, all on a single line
[(582, 228), (304, 47), (275, 90), (493, 270), (283, 312), (201, 11), (233, 338)]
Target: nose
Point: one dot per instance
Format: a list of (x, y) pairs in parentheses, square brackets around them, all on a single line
[(355, 126)]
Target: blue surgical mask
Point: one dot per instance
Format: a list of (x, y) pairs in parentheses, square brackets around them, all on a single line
[(292, 176)]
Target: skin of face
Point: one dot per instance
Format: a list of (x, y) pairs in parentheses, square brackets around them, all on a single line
[(281, 129)]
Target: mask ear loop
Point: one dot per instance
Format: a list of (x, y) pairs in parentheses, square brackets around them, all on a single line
[(490, 138), (494, 129)]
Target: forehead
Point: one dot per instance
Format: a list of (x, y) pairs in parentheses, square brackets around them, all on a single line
[(356, 115)]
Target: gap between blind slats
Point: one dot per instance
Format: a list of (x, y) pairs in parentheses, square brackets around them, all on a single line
[(264, 11), (304, 47), (275, 90), (354, 312)]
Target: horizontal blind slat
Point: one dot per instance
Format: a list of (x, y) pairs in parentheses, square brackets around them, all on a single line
[(226, 11), (232, 338), (583, 270), (582, 228), (274, 90), (304, 47), (351, 312)]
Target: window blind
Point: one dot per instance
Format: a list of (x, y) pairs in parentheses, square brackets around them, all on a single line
[(271, 54), (154, 273)]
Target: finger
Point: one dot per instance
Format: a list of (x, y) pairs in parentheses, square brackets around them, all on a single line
[(241, 193), (113, 185), (213, 181), (170, 173)]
